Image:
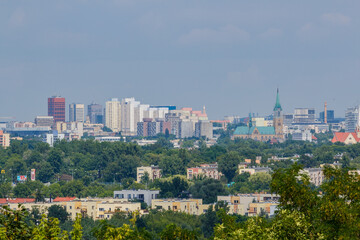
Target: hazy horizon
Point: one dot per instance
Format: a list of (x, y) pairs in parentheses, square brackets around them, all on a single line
[(229, 57)]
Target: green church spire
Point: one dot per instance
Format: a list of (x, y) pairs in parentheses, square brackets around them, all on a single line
[(277, 104)]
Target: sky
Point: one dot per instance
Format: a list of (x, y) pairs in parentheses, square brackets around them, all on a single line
[(230, 56)]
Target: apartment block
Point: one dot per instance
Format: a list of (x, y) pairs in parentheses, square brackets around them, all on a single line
[(189, 206), (4, 139), (205, 170), (146, 196), (154, 172), (44, 121)]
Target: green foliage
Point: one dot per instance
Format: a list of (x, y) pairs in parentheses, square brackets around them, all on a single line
[(59, 212), (228, 164), (208, 190)]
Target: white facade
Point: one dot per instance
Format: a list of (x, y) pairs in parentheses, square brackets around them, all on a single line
[(128, 116), (302, 135), (76, 112), (352, 119), (113, 115), (52, 138)]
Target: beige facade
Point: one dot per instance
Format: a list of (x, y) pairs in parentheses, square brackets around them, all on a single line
[(205, 170), (97, 209), (234, 205), (4, 139), (153, 171), (190, 206), (113, 115), (257, 208)]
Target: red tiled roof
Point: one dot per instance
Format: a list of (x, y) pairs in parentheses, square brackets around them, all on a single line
[(314, 138), (342, 136), (16, 200), (64, 199)]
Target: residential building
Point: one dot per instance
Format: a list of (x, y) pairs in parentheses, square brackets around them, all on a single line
[(146, 196), (56, 108), (257, 208), (76, 112), (252, 170), (189, 206), (352, 119), (44, 121), (149, 127), (113, 115), (154, 172), (205, 170), (233, 204), (4, 139), (51, 138), (302, 135), (95, 113), (316, 175), (204, 128)]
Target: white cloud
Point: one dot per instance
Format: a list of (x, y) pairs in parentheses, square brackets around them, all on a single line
[(17, 18), (336, 18), (227, 34), (271, 33)]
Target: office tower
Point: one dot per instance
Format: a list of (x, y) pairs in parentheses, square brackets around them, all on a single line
[(304, 115), (76, 112), (330, 116), (44, 121), (113, 115), (129, 118), (56, 108), (95, 113), (352, 119)]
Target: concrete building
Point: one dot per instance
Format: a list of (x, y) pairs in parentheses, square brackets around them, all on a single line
[(152, 127), (4, 139), (302, 135), (252, 170), (205, 170), (95, 113), (153, 171), (233, 203), (147, 196), (44, 121), (51, 138), (129, 118), (304, 115), (189, 206), (56, 108), (204, 128), (113, 115), (185, 129), (97, 209), (257, 208), (76, 112), (316, 175), (352, 119)]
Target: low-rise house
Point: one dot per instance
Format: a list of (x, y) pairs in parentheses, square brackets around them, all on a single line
[(252, 170), (153, 171), (205, 170), (146, 196)]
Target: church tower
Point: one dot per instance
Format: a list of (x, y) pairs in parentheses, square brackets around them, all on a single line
[(278, 118)]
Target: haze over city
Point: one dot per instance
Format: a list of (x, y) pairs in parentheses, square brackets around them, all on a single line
[(229, 56)]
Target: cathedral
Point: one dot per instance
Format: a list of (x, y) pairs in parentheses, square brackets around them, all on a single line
[(264, 133)]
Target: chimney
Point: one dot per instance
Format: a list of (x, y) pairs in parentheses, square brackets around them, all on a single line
[(325, 113)]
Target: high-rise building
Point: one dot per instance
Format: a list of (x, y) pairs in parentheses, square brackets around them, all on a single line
[(76, 112), (113, 115), (129, 118), (352, 119), (95, 113), (204, 128), (304, 116), (330, 116), (4, 139), (56, 108)]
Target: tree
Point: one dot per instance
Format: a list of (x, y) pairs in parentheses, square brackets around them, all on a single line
[(56, 159), (22, 190), (228, 164), (260, 181), (59, 212), (208, 190)]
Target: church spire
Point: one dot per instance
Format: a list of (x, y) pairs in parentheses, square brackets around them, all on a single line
[(277, 104)]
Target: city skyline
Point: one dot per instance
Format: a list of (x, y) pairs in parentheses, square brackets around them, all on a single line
[(230, 57)]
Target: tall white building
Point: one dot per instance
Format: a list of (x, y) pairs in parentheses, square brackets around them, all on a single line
[(352, 119), (76, 112), (113, 115), (129, 116)]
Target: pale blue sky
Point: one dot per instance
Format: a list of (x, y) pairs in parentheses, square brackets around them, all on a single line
[(228, 55)]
